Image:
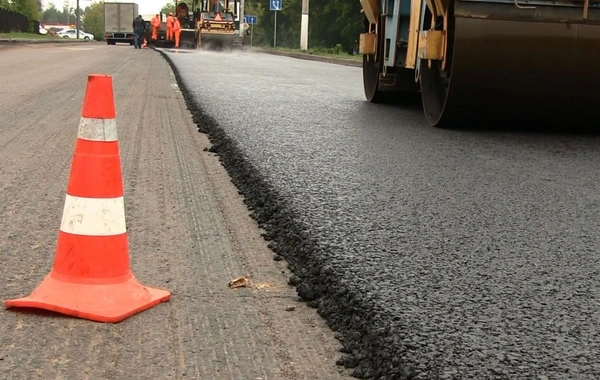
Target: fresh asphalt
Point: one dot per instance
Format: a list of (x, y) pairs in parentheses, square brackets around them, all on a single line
[(466, 253)]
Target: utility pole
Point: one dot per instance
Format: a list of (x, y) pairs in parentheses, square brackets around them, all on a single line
[(78, 19), (304, 26), (241, 18)]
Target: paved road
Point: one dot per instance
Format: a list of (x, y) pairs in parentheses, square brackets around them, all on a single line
[(188, 229), (436, 254)]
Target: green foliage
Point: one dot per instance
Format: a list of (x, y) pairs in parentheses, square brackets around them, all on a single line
[(333, 24), (55, 16), (29, 9), (93, 21), (168, 7)]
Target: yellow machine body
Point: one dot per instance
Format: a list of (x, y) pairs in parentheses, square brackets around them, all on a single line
[(487, 61)]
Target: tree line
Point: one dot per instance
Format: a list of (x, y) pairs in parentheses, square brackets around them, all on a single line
[(333, 24), (91, 18), (29, 8)]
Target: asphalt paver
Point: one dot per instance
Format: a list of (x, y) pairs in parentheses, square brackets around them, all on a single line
[(466, 253), (188, 228)]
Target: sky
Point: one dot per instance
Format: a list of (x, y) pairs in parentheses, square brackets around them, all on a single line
[(145, 6)]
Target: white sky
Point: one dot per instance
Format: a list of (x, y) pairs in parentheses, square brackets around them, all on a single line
[(145, 6)]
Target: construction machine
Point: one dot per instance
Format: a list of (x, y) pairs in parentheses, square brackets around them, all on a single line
[(187, 19), (529, 61), (217, 28), (210, 24)]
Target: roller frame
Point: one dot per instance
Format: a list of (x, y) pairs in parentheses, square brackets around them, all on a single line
[(409, 44)]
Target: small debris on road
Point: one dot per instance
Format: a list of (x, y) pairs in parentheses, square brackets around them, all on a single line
[(240, 282)]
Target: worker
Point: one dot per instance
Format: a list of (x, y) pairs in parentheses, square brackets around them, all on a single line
[(155, 26), (176, 31), (170, 20), (139, 25)]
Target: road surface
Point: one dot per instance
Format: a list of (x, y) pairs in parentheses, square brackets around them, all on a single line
[(188, 230), (435, 254)]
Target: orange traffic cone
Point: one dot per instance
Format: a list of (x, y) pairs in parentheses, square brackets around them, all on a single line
[(145, 45), (91, 277)]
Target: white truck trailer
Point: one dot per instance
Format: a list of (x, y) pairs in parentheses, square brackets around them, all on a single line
[(118, 22)]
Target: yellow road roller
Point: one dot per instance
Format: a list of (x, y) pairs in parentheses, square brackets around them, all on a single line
[(217, 28), (508, 61)]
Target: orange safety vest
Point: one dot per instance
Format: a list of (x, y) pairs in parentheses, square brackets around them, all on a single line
[(155, 22), (170, 20), (176, 25)]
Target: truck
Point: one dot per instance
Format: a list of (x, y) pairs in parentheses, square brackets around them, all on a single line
[(490, 61), (118, 22)]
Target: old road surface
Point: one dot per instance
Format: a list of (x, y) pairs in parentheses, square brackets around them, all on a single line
[(189, 232), (434, 254)]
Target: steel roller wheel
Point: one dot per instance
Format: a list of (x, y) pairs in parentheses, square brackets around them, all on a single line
[(372, 67), (435, 80)]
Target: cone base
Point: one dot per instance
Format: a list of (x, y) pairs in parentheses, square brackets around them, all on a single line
[(101, 303)]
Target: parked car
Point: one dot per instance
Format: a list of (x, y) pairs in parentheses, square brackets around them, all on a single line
[(72, 33)]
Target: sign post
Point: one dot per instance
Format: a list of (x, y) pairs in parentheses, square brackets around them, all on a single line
[(251, 20), (276, 6)]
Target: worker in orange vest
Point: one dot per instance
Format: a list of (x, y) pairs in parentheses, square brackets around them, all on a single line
[(155, 26), (177, 31), (170, 20)]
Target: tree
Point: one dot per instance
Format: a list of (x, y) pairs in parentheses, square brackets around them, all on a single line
[(168, 7), (29, 9), (93, 20), (332, 23), (52, 15)]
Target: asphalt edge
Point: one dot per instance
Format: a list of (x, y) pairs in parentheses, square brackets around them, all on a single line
[(308, 57), (368, 348)]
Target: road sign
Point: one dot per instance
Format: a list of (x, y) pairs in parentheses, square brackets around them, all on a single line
[(251, 20), (276, 5)]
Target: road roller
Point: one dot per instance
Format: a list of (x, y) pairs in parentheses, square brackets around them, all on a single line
[(490, 61), (216, 25)]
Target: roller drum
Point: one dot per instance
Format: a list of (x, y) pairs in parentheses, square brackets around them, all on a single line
[(218, 42), (516, 72)]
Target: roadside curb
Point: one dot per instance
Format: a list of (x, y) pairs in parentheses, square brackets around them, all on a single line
[(309, 57)]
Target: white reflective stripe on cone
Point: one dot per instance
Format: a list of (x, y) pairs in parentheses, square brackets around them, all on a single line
[(97, 129), (93, 216)]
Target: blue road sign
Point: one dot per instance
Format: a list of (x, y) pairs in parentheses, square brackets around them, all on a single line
[(251, 20), (276, 5)]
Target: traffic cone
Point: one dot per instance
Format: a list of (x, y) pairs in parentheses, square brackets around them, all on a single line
[(91, 277)]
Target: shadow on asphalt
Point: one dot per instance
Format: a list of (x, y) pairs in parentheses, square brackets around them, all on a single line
[(412, 103), (522, 127)]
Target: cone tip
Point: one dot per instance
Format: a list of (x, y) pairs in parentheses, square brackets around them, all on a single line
[(98, 102)]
